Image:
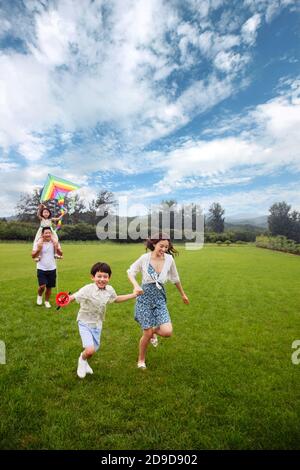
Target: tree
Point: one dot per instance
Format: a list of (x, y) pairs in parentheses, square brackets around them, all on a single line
[(28, 204), (280, 220), (104, 204), (295, 226), (90, 215), (169, 203), (168, 210), (76, 209), (215, 219)]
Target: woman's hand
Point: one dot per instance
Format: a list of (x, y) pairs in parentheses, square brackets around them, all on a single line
[(138, 291), (185, 299)]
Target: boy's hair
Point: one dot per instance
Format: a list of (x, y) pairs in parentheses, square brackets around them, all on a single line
[(46, 228), (100, 267)]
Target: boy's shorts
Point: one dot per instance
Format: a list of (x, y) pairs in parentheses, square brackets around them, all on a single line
[(90, 337), (47, 278)]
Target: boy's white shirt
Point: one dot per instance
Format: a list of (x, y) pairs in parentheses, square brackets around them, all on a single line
[(47, 261), (93, 302), (168, 273)]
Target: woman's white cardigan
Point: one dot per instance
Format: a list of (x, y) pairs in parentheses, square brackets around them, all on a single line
[(168, 273)]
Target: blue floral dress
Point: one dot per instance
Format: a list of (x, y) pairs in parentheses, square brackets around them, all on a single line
[(151, 307)]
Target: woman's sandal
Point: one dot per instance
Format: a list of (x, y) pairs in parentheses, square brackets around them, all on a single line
[(154, 341)]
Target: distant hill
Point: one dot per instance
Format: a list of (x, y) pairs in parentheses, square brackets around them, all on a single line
[(9, 218), (253, 222), (243, 228)]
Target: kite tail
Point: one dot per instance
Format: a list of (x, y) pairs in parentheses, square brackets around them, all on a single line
[(61, 203)]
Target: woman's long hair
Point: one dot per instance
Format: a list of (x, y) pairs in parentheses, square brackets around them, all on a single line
[(158, 237)]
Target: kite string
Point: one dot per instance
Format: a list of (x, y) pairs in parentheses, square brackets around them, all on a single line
[(57, 291)]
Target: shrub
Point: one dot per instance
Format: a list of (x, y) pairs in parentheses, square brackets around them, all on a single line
[(279, 243)]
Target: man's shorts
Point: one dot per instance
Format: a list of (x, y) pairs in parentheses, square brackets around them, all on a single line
[(90, 337), (47, 278)]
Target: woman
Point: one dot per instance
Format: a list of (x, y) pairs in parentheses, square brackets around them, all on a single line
[(151, 312)]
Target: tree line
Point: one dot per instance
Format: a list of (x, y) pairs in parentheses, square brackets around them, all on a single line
[(80, 220)]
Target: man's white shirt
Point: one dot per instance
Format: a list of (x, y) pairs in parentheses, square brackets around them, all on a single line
[(47, 261)]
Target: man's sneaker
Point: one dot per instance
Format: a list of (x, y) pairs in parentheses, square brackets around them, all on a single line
[(141, 365), (89, 370), (47, 304), (39, 300), (154, 341), (81, 369)]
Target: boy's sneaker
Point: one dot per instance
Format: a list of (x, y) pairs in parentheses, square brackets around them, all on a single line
[(81, 369), (47, 304), (141, 365), (89, 370), (39, 300)]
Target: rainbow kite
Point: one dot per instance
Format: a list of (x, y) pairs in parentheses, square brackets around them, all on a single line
[(57, 188)]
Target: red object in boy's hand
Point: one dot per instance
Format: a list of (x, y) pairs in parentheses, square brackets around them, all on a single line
[(62, 299)]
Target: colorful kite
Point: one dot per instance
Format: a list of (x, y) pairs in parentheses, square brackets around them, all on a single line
[(57, 188)]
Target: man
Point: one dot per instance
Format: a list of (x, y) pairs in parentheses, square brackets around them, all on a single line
[(45, 248)]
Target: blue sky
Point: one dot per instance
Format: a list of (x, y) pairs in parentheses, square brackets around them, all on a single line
[(192, 100)]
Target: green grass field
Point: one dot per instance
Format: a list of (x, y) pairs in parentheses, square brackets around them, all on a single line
[(225, 380)]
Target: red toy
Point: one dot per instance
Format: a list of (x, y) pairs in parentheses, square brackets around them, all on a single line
[(62, 299)]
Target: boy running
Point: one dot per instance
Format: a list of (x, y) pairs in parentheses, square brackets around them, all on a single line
[(93, 299)]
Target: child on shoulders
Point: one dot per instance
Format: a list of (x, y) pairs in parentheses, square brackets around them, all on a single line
[(46, 220)]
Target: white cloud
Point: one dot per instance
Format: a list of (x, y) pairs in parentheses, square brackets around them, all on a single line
[(26, 97), (4, 26), (32, 148), (6, 166), (272, 143), (230, 62), (54, 35), (269, 8), (249, 29), (254, 202), (202, 8), (141, 69), (82, 69)]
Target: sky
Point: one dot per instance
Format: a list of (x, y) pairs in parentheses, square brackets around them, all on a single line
[(190, 100)]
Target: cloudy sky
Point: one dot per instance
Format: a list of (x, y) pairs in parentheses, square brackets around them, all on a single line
[(193, 100)]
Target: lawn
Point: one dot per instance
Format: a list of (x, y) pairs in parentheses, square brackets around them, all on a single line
[(225, 379)]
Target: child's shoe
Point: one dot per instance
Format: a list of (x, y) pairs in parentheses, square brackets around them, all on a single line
[(141, 365), (39, 300), (47, 304), (81, 369), (89, 370)]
